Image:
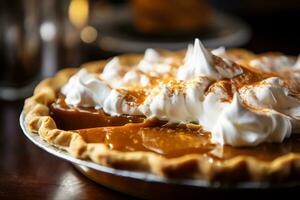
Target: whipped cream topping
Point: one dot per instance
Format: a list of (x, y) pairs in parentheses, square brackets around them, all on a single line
[(199, 92), (112, 71), (135, 77), (221, 52), (229, 121), (272, 63), (116, 104), (154, 64), (88, 90), (213, 104), (198, 62), (271, 93), (239, 126), (119, 77), (188, 53), (176, 101)]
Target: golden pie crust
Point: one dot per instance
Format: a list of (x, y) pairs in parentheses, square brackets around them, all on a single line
[(196, 166)]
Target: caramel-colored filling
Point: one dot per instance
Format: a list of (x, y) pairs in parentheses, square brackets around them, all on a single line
[(71, 118), (169, 142), (131, 133)]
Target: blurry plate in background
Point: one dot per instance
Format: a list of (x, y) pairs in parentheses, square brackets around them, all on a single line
[(117, 33)]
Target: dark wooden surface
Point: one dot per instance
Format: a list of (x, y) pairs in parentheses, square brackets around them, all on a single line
[(27, 172)]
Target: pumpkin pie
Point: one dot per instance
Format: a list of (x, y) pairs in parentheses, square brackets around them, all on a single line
[(196, 114)]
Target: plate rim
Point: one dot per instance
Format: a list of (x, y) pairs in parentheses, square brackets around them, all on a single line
[(145, 176), (235, 39)]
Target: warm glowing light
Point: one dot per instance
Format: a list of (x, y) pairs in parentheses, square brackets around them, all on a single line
[(88, 34), (78, 12)]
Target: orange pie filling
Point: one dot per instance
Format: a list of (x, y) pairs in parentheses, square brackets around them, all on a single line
[(154, 87), (132, 133)]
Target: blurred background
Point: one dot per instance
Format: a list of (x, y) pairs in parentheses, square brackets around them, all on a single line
[(39, 37)]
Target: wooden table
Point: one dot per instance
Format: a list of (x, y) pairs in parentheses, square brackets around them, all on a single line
[(27, 172)]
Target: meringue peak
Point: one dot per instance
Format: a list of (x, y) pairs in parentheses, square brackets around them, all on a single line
[(188, 53), (151, 55), (198, 62), (221, 51), (112, 70)]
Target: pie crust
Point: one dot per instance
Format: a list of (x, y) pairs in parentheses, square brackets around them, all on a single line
[(195, 166)]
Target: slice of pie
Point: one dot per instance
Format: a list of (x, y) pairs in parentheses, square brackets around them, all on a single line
[(197, 114)]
